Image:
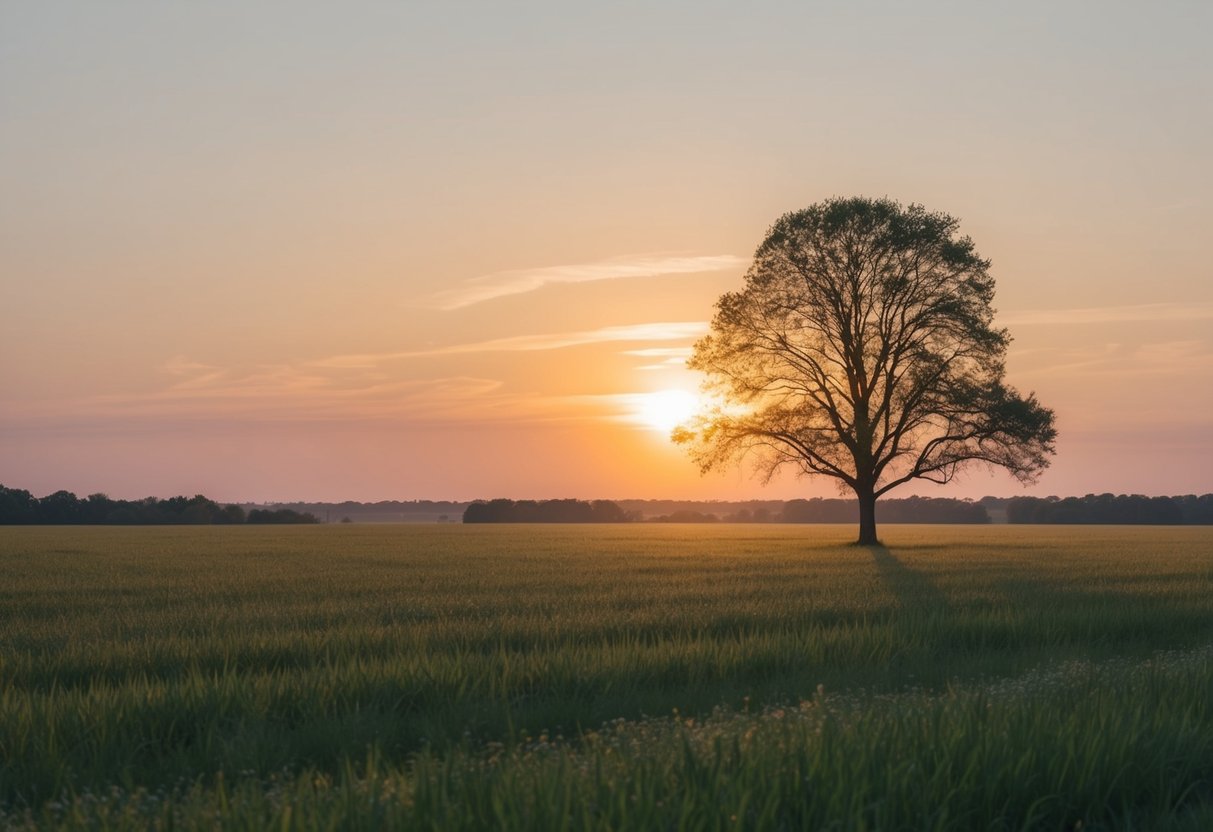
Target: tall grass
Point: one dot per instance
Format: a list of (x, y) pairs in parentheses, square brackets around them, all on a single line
[(422, 674)]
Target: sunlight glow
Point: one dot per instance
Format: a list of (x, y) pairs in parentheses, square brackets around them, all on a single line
[(664, 410)]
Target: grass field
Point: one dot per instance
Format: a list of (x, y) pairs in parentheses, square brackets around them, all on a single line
[(629, 676)]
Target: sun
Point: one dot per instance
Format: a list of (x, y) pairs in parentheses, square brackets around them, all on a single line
[(665, 410)]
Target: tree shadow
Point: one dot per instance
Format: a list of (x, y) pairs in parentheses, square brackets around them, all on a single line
[(912, 588)]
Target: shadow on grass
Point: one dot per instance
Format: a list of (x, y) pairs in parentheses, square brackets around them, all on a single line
[(912, 588)]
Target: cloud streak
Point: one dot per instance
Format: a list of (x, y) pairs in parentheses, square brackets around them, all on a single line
[(657, 331), (520, 281), (284, 394), (1144, 312), (661, 352), (1155, 361), (355, 386)]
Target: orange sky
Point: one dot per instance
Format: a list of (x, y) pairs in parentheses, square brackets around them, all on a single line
[(390, 252)]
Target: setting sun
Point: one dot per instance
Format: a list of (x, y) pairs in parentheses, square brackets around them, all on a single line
[(664, 410)]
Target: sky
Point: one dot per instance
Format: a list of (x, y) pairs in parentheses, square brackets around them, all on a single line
[(406, 250)]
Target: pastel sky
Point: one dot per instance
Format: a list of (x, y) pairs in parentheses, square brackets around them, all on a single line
[(397, 250)]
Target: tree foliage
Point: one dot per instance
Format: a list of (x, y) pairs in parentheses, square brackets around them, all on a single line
[(863, 348)]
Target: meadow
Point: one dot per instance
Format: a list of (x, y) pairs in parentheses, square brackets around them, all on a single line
[(606, 677)]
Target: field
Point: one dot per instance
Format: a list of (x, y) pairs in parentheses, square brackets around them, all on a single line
[(606, 677)]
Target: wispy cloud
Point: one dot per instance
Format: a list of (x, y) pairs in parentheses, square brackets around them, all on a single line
[(657, 331), (668, 364), (1143, 312), (1115, 385), (661, 352), (519, 281), (285, 392), (355, 387), (1160, 360), (673, 358)]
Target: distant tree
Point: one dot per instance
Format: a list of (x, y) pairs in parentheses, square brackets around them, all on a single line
[(231, 514), (1196, 510), (817, 510), (62, 507), (490, 511), (547, 511), (121, 515), (281, 516), (95, 508), (199, 510), (605, 511), (17, 506), (863, 348), (935, 510)]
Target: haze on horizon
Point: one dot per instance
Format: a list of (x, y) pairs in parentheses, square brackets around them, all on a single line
[(395, 250)]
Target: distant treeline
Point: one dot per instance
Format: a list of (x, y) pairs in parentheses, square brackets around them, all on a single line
[(816, 510), (1104, 508), (63, 507), (820, 510), (19, 507), (383, 511), (279, 515), (544, 511), (1130, 509), (910, 510), (906, 510)]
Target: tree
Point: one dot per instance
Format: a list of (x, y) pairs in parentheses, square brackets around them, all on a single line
[(17, 506), (60, 508), (281, 515), (862, 347)]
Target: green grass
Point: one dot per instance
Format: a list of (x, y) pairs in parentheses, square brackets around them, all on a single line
[(757, 677)]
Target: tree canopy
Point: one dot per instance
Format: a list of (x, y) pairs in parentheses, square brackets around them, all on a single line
[(863, 348)]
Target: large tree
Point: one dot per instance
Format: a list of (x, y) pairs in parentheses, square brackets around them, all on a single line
[(863, 348)]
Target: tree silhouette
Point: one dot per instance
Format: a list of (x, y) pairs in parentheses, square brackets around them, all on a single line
[(862, 348)]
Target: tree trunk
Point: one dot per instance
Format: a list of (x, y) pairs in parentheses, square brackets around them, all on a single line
[(867, 516)]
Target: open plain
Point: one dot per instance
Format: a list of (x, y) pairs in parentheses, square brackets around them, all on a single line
[(605, 677)]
